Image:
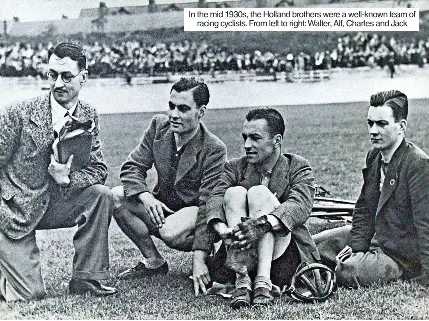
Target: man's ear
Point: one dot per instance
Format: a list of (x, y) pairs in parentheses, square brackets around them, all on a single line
[(201, 111), (403, 125), (277, 139), (84, 77)]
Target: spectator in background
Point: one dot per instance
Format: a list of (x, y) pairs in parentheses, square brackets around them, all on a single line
[(110, 57)]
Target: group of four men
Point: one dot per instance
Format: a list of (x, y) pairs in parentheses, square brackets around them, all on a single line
[(257, 205)]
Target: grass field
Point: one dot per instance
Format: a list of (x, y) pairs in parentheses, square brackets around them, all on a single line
[(332, 137)]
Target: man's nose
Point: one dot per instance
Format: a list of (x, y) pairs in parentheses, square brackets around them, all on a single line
[(59, 82), (373, 130), (247, 144), (174, 113)]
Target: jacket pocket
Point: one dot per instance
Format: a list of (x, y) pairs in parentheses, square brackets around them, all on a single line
[(7, 195)]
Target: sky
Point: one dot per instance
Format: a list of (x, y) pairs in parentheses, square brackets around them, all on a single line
[(40, 10)]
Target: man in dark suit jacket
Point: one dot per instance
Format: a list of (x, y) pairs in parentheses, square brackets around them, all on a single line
[(188, 160), (274, 194), (388, 238), (37, 192)]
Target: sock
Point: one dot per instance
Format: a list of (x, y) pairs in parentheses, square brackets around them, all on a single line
[(263, 282), (243, 281)]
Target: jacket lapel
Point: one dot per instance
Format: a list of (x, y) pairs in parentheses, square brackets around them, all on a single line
[(41, 120), (279, 177), (391, 179), (371, 177), (162, 149), (189, 156), (81, 113), (250, 176), (278, 180)]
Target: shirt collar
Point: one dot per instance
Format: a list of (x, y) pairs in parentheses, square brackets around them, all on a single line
[(388, 157), (58, 110), (270, 171)]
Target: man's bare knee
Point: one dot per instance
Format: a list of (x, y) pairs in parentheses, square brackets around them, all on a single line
[(235, 193), (261, 201), (118, 196), (235, 197), (235, 205), (259, 191)]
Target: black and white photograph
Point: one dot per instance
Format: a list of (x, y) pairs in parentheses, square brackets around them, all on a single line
[(240, 170)]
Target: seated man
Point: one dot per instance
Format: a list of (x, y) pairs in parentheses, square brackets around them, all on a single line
[(38, 192), (260, 206), (389, 236), (188, 160)]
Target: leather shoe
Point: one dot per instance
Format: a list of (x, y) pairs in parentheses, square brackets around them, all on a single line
[(240, 298), (82, 286), (262, 297), (141, 271)]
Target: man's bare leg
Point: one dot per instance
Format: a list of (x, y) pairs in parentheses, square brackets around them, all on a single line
[(235, 207), (179, 229), (262, 202), (135, 227)]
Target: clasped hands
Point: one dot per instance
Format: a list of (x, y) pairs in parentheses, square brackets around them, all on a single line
[(245, 233)]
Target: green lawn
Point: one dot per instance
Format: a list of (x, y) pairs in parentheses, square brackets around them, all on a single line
[(332, 137)]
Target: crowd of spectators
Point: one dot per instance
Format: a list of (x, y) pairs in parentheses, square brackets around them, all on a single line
[(134, 57)]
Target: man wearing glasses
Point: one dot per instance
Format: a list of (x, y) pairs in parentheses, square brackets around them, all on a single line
[(38, 192), (188, 160)]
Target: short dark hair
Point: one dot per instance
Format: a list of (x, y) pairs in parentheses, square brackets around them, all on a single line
[(199, 89), (276, 124), (73, 50), (395, 99)]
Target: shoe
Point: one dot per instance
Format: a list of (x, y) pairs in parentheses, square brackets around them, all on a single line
[(240, 298), (262, 297), (81, 286), (141, 271)]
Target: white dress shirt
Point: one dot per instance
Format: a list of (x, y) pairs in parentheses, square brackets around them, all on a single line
[(60, 115)]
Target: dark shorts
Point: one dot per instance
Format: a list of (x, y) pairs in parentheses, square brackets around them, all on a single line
[(282, 268)]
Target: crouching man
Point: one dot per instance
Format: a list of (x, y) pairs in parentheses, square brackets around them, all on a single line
[(37, 192), (259, 208), (188, 160)]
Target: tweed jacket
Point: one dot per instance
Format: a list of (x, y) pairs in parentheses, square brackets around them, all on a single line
[(292, 182), (26, 137), (198, 170), (399, 215)]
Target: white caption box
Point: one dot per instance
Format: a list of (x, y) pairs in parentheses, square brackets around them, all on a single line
[(301, 19)]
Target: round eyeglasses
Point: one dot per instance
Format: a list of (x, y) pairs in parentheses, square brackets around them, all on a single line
[(66, 77)]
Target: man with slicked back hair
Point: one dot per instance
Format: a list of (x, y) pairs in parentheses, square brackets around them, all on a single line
[(38, 192), (389, 235), (188, 160), (259, 209)]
